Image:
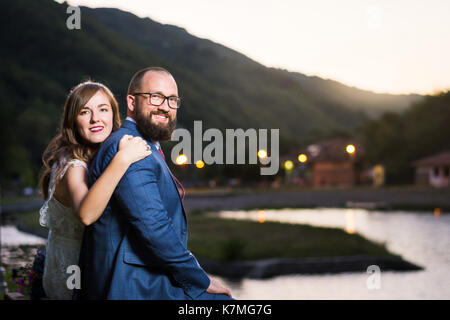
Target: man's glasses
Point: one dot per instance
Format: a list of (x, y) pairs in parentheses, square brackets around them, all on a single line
[(158, 99)]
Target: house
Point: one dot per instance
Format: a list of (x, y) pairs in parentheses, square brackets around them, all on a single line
[(433, 170), (336, 163)]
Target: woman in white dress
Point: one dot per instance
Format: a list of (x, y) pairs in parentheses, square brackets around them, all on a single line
[(90, 114)]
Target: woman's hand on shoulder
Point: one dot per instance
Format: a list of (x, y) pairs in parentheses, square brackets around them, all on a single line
[(133, 149)]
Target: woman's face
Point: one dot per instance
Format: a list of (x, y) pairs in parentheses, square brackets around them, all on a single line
[(95, 119)]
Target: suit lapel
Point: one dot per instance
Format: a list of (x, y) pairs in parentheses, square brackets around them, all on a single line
[(132, 126), (164, 164)]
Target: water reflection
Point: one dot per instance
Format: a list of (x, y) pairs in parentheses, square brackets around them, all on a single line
[(350, 222), (421, 238)]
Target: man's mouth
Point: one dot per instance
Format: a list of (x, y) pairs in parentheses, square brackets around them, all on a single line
[(96, 129), (160, 118)]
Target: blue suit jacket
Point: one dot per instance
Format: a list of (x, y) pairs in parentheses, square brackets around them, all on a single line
[(137, 249)]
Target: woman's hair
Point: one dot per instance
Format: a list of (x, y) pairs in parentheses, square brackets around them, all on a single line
[(68, 143)]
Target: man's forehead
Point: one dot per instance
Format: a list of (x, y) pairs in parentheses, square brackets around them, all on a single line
[(158, 78)]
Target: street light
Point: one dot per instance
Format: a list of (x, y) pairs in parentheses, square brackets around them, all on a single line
[(350, 149), (262, 154), (199, 164), (302, 158), (181, 159), (288, 165)]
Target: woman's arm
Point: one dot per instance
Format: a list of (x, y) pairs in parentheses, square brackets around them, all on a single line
[(90, 204)]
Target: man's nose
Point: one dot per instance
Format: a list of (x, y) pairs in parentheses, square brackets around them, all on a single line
[(165, 106)]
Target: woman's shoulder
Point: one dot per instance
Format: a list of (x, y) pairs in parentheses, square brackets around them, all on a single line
[(75, 169), (73, 163)]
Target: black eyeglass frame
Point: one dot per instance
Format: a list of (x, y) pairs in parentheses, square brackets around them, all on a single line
[(164, 100)]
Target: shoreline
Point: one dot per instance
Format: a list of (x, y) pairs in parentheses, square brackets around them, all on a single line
[(409, 198), (395, 199), (269, 268)]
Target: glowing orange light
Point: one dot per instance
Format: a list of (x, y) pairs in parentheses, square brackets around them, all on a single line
[(437, 212), (261, 216), (262, 154), (350, 149), (199, 164), (181, 159), (349, 223)]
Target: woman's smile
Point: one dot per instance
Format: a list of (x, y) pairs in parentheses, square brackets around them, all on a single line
[(97, 129)]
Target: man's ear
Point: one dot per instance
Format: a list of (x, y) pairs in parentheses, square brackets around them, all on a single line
[(131, 103)]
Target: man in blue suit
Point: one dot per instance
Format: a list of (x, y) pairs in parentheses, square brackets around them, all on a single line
[(138, 247)]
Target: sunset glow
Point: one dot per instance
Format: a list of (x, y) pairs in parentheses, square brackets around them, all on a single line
[(382, 46)]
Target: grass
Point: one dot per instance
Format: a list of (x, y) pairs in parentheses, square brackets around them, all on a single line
[(228, 240)]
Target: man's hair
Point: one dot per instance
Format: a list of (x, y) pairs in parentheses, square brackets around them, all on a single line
[(135, 82)]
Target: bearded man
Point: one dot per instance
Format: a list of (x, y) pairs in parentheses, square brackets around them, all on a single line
[(137, 249)]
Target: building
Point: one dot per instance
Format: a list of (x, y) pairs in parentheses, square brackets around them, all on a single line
[(335, 163), (433, 170)]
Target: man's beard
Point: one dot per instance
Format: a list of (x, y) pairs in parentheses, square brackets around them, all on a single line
[(154, 132)]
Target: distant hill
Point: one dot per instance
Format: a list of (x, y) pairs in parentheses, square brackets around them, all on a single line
[(397, 140), (42, 60), (373, 104)]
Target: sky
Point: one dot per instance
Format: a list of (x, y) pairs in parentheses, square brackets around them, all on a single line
[(391, 46)]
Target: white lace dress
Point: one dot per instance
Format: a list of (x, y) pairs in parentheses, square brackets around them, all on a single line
[(64, 240)]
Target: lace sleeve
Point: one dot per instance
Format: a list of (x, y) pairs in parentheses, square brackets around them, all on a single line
[(75, 163), (43, 212)]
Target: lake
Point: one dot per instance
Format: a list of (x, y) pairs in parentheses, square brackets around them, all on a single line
[(420, 238)]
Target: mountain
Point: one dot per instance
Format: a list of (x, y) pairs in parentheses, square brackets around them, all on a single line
[(171, 42), (42, 60)]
